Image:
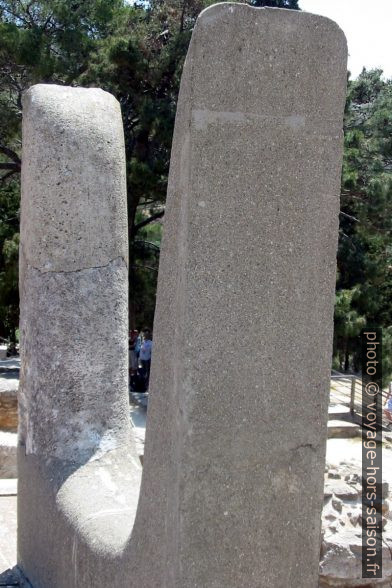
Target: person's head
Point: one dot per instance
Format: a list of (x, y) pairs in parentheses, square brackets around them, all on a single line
[(133, 334), (146, 333)]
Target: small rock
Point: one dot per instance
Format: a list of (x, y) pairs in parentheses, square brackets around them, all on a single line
[(353, 479), (323, 549), (337, 504), (345, 492), (355, 518), (334, 474)]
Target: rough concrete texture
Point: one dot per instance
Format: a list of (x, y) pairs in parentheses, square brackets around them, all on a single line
[(79, 474), (73, 154), (249, 251), (243, 328)]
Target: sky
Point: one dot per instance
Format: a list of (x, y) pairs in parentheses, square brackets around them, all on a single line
[(368, 28)]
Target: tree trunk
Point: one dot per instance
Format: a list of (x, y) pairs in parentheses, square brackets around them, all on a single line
[(346, 356)]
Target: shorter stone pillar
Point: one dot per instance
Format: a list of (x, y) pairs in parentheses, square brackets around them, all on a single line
[(78, 470)]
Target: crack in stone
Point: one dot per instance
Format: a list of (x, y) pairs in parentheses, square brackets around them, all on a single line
[(111, 261)]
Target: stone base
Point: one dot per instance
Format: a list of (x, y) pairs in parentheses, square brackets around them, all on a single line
[(89, 509)]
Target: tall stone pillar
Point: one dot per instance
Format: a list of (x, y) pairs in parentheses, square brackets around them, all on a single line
[(244, 318), (232, 487)]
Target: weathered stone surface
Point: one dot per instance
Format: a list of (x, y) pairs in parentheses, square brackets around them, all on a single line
[(79, 474), (249, 248), (71, 232), (333, 474), (67, 346)]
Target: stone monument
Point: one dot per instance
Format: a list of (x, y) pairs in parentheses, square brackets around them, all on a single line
[(78, 470), (232, 487)]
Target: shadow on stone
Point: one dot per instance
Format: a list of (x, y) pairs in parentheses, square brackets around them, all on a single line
[(13, 577)]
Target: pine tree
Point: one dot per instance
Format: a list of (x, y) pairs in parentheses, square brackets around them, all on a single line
[(365, 245)]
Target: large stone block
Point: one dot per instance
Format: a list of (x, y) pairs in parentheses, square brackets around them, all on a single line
[(243, 328)]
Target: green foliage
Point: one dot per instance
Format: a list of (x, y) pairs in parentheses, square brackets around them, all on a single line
[(9, 299), (144, 273), (51, 40), (136, 51), (9, 240), (365, 250), (387, 354), (348, 323), (40, 41)]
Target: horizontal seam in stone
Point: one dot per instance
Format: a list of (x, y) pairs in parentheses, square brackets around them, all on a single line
[(300, 121), (82, 269)]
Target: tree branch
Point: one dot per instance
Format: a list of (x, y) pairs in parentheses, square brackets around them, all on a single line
[(148, 244), (6, 176), (349, 216), (153, 269), (9, 165), (11, 154), (147, 221)]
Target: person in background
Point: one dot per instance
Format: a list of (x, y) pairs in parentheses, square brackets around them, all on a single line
[(133, 359), (145, 354), (138, 345)]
